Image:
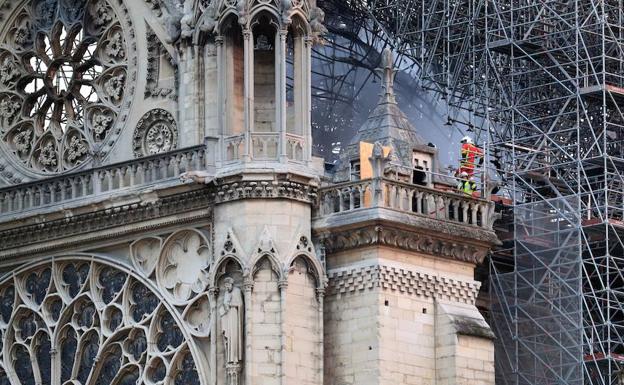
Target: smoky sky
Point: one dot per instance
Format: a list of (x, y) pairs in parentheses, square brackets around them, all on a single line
[(345, 89)]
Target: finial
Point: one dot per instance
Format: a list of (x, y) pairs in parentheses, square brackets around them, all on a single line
[(387, 68)]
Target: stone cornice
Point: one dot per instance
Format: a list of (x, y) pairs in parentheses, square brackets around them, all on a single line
[(405, 220), (390, 278), (92, 220), (416, 240), (264, 189), (104, 219)]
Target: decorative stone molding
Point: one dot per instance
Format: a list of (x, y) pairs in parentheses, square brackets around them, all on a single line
[(336, 241), (183, 263), (75, 224), (45, 128), (231, 245), (144, 254), (155, 133), (304, 245), (98, 184), (7, 174), (265, 189), (97, 314), (415, 283), (265, 243), (105, 219), (157, 55)]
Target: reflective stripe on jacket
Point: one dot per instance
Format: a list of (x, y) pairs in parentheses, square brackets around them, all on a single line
[(468, 154), (467, 187)]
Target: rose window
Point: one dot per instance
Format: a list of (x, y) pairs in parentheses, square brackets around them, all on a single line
[(79, 322), (63, 81)]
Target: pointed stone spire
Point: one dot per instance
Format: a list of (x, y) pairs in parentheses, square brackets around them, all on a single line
[(387, 72), (387, 122), (387, 126)]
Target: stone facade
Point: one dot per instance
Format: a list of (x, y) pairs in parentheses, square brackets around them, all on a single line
[(163, 221)]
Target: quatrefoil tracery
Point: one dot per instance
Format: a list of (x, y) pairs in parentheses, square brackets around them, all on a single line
[(89, 314)]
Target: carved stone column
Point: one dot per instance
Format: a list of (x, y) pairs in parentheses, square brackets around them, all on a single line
[(281, 109), (212, 302), (56, 368), (283, 286), (221, 84), (320, 297), (190, 94), (232, 371), (307, 98), (247, 291), (249, 90)]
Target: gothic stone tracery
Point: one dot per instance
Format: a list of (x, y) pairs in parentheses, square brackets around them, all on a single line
[(155, 133), (65, 74), (75, 320)]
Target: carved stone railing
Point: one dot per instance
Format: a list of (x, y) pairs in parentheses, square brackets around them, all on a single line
[(264, 145), (404, 197), (294, 147), (101, 181)]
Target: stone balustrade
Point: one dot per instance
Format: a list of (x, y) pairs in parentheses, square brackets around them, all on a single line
[(405, 197), (265, 145), (101, 181)]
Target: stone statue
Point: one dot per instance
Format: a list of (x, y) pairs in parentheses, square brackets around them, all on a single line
[(187, 22), (317, 20), (173, 11), (231, 313), (378, 151), (241, 8), (287, 6), (209, 21), (197, 176)]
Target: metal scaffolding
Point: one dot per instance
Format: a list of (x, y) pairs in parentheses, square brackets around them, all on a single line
[(541, 85)]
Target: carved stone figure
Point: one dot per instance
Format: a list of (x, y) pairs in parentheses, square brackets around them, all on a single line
[(187, 23), (209, 22), (8, 71), (173, 14), (101, 123), (8, 108), (114, 86), (317, 20), (231, 313), (76, 149), (47, 156), (100, 13), (21, 141), (197, 177)]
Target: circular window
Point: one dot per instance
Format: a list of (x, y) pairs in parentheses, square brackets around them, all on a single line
[(82, 322), (63, 82)]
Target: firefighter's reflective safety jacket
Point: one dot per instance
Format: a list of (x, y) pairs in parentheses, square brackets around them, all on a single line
[(469, 152), (467, 187)]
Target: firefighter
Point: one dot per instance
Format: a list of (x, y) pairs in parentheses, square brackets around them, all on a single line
[(469, 153), (467, 184)]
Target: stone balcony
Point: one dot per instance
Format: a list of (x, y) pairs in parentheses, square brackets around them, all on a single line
[(98, 184), (125, 198), (408, 216)]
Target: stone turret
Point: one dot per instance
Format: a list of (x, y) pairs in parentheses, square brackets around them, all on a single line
[(400, 254), (411, 158), (250, 102)]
